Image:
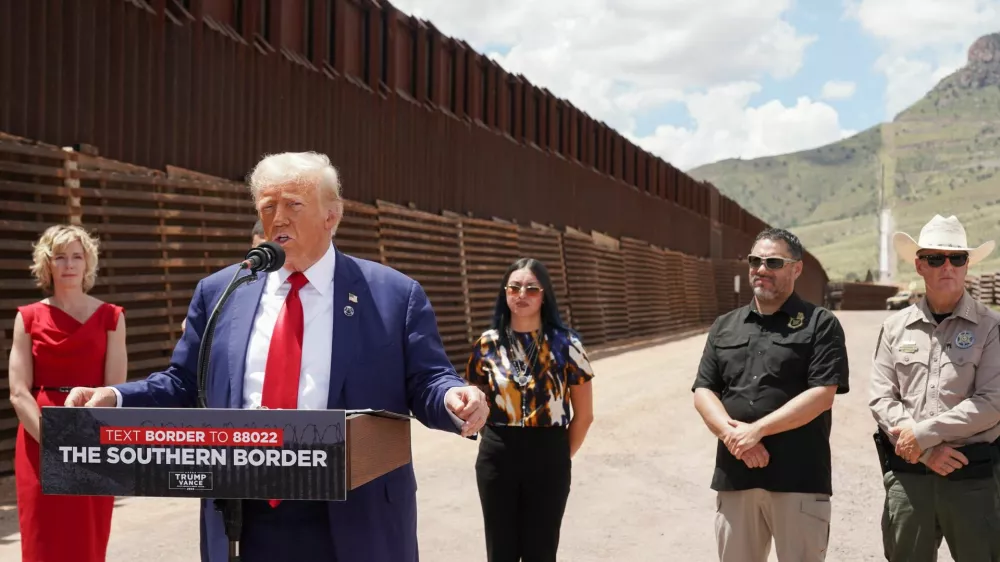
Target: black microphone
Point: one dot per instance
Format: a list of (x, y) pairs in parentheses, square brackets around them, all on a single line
[(267, 257)]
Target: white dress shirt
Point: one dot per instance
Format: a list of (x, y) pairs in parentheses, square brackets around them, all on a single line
[(317, 335)]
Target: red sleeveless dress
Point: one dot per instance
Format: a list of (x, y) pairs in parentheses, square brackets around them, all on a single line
[(65, 353)]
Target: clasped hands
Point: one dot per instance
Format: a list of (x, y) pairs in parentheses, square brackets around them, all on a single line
[(743, 441), (907, 447), (943, 460)]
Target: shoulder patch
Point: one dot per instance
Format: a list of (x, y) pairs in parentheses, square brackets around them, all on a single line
[(965, 339), (796, 321)]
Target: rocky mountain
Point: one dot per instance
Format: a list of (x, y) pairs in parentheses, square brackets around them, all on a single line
[(940, 155)]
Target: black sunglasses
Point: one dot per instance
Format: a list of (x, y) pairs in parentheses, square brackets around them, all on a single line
[(937, 260), (771, 263)]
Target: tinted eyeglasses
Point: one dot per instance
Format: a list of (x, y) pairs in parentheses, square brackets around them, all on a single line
[(937, 260), (530, 290), (777, 262)]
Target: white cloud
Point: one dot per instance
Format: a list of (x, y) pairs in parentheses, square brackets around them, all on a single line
[(926, 24), (909, 78), (679, 44), (838, 90), (727, 126), (616, 59), (924, 42)]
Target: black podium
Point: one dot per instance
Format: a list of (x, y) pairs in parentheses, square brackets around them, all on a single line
[(219, 453)]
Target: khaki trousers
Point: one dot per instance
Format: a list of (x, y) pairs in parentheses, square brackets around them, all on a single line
[(747, 520)]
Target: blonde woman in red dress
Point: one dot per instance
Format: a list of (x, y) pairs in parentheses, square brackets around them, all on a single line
[(68, 339)]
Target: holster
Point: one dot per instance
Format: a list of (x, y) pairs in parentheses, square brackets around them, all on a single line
[(881, 446), (982, 457)]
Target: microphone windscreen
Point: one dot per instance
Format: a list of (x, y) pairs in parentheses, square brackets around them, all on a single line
[(276, 254)]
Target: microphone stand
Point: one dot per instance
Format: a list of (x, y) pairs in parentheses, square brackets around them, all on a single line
[(232, 509)]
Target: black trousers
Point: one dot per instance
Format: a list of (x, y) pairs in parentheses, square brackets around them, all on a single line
[(524, 480)]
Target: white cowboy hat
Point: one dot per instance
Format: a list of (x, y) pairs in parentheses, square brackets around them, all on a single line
[(940, 233)]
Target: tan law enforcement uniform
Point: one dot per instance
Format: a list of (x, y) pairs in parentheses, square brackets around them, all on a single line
[(944, 379)]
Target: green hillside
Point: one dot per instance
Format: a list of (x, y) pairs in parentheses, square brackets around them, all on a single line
[(941, 155)]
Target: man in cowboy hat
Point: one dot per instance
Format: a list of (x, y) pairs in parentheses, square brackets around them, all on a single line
[(935, 393)]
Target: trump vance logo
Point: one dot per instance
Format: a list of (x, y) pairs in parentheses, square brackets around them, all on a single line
[(190, 480)]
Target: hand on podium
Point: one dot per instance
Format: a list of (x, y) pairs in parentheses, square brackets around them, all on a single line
[(470, 405), (85, 397)]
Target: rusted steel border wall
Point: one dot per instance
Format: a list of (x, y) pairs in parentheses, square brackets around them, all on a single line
[(860, 296), (871, 296), (162, 231), (409, 115)]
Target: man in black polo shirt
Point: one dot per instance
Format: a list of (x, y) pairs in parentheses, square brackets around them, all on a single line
[(765, 388)]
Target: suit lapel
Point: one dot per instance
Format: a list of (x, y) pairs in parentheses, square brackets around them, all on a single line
[(347, 317), (242, 307)]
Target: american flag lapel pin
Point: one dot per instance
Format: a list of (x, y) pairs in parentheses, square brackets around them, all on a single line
[(349, 310)]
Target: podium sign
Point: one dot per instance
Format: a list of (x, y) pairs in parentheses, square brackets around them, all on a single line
[(217, 453)]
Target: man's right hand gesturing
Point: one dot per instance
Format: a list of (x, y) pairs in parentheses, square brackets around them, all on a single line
[(86, 397)]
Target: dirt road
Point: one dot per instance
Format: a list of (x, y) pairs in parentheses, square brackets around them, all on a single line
[(640, 484)]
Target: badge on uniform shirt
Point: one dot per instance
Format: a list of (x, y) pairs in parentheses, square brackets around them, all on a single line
[(352, 297), (796, 323), (964, 339), (908, 347)]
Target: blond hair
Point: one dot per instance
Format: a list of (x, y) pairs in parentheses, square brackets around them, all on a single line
[(53, 240), (300, 167), (290, 167)]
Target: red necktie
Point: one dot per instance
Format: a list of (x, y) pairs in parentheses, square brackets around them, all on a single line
[(284, 356)]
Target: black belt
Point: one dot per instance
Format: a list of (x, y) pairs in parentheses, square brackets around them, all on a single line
[(982, 457), (51, 388)]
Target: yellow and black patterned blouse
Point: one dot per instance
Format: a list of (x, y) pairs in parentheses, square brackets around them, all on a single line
[(544, 400)]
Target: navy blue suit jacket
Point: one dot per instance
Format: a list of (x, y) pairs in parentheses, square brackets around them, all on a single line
[(387, 355)]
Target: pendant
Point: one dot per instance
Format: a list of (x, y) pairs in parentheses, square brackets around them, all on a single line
[(521, 380)]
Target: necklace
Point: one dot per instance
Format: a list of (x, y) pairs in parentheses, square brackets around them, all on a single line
[(523, 360)]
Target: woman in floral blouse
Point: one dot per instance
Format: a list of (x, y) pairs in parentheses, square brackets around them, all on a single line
[(535, 372)]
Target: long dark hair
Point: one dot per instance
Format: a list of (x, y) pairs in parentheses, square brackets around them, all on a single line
[(551, 319)]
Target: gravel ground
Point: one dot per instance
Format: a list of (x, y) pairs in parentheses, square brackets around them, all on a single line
[(640, 490)]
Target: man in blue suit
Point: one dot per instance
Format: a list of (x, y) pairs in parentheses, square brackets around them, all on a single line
[(327, 331)]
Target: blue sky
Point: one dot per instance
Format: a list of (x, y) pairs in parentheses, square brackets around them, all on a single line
[(696, 82), (842, 51)]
